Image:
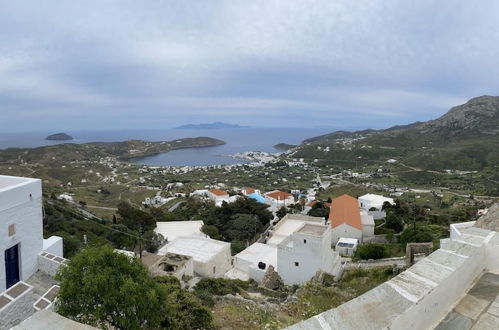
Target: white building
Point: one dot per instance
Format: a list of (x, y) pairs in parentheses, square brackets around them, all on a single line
[(253, 262), (218, 196), (288, 225), (277, 199), (347, 246), (248, 191), (366, 202), (348, 221), (305, 252), (21, 230), (154, 201), (170, 230), (211, 257)]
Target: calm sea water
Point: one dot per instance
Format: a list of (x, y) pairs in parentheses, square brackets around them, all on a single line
[(237, 140)]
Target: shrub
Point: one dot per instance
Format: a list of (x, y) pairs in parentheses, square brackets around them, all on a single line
[(371, 251)]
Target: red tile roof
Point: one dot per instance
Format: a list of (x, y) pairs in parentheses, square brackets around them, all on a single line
[(250, 191), (218, 192), (345, 209), (279, 195)]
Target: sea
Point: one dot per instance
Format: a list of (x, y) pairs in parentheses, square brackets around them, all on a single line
[(237, 141)]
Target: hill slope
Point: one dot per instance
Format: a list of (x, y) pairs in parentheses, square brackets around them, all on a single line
[(465, 138)]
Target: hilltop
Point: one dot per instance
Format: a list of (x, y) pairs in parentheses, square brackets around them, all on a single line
[(215, 125)]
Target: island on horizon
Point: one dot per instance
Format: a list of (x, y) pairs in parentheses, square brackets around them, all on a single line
[(214, 125), (59, 137)]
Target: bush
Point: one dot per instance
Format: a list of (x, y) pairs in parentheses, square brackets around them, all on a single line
[(371, 251), (221, 286), (418, 235)]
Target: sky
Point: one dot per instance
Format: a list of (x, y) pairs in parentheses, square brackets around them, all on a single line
[(105, 64)]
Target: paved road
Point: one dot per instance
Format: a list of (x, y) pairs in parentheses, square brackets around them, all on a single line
[(174, 207)]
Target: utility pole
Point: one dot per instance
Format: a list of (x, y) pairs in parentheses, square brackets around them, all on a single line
[(140, 241)]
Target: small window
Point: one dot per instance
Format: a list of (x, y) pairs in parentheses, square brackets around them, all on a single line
[(304, 241), (297, 263), (214, 269)]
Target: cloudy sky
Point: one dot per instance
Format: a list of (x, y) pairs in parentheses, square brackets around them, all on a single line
[(156, 64)]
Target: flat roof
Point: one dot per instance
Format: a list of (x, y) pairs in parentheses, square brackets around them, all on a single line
[(288, 226), (7, 182), (173, 229), (315, 230), (259, 252), (201, 249), (348, 240)]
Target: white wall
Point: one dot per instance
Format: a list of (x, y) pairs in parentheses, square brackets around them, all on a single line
[(53, 245), (367, 231), (346, 231), (429, 311), (313, 255), (17, 207), (221, 262)]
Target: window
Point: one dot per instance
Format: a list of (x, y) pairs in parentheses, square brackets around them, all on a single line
[(297, 264), (304, 241), (214, 269)]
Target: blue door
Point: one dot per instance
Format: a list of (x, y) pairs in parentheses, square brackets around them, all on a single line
[(12, 266)]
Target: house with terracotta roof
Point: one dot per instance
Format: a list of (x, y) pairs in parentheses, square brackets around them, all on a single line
[(348, 221), (218, 196), (277, 199), (249, 191)]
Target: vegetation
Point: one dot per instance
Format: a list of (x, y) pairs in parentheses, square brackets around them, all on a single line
[(371, 251), (102, 288)]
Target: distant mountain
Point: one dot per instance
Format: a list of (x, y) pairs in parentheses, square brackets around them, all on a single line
[(59, 137), (465, 138), (215, 125)]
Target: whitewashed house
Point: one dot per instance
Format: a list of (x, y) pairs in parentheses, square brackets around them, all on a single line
[(277, 199), (305, 252), (218, 196), (368, 201), (253, 262), (21, 230), (348, 221), (347, 246), (170, 230), (212, 258), (249, 191)]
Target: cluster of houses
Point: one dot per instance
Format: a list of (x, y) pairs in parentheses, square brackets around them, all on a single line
[(297, 246)]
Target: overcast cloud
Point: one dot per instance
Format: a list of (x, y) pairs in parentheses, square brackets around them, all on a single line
[(157, 64)]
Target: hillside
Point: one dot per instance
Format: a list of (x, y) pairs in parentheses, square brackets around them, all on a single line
[(68, 152), (466, 138)]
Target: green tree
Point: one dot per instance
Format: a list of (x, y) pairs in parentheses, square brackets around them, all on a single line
[(392, 221), (282, 212), (211, 231), (134, 218), (103, 288), (371, 251)]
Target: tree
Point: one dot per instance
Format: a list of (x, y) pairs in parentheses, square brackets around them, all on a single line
[(392, 221), (282, 212), (243, 227), (103, 288), (133, 217), (211, 231), (371, 251), (152, 241)]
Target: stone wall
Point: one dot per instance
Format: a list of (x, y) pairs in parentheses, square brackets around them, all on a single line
[(49, 263), (421, 296), (16, 304)]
